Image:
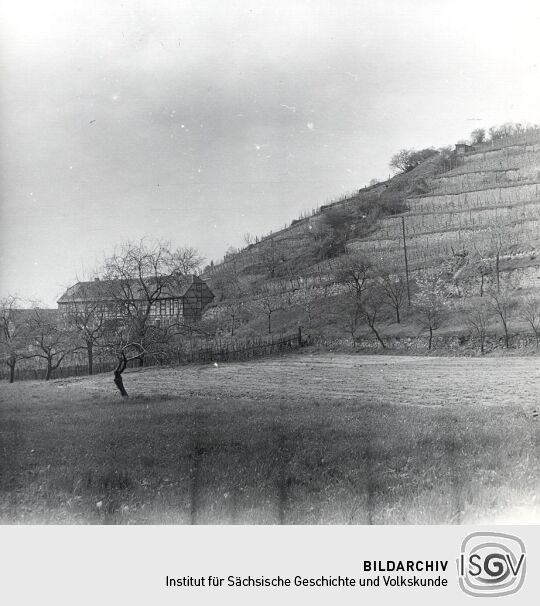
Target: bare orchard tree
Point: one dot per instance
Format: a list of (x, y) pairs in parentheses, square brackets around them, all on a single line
[(502, 304), (529, 312), (267, 304), (370, 310), (353, 319), (127, 346), (306, 299), (13, 333), (136, 275), (480, 268), (477, 318), (455, 267), (86, 320), (499, 238), (230, 312), (48, 339), (393, 291), (431, 300), (353, 271)]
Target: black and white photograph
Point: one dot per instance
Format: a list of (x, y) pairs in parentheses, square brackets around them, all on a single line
[(269, 263)]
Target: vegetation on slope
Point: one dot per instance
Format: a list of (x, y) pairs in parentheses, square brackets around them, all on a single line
[(302, 267)]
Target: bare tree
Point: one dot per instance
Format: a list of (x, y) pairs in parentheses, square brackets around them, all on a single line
[(185, 259), (370, 310), (393, 291), (86, 319), (529, 311), (136, 275), (498, 238), (232, 310), (354, 271), (477, 317), (267, 304), (503, 131), (431, 300), (501, 304), (482, 268), (306, 299), (353, 320), (13, 333), (124, 343), (49, 341)]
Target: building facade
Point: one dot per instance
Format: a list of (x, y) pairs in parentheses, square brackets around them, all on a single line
[(173, 299)]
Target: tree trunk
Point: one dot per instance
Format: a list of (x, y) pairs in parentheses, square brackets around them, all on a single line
[(49, 370), (372, 326), (90, 354), (118, 381), (269, 325), (482, 285), (482, 339), (430, 337), (497, 259), (397, 316), (11, 365), (506, 339)]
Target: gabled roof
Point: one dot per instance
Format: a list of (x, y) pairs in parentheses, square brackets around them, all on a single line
[(176, 286)]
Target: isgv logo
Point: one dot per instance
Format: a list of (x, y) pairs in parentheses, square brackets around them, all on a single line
[(491, 564)]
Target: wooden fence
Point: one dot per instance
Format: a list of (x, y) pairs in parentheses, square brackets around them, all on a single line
[(225, 350), (245, 349)]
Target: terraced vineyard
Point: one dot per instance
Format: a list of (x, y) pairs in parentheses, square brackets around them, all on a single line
[(492, 189)]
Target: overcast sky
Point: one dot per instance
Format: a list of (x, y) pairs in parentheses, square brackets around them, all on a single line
[(197, 121)]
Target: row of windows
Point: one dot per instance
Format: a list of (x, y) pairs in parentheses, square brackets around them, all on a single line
[(166, 307)]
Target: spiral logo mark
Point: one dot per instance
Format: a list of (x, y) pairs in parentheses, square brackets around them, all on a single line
[(491, 564)]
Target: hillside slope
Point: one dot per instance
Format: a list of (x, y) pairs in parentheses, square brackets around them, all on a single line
[(474, 217), (494, 189)]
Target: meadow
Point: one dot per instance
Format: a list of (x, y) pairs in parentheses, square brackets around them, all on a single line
[(308, 438)]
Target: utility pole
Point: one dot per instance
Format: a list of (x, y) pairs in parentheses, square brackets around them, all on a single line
[(406, 262)]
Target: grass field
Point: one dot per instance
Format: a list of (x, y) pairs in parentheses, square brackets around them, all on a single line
[(308, 438)]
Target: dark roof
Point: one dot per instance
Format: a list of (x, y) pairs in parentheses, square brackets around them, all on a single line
[(107, 290), (28, 316)]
